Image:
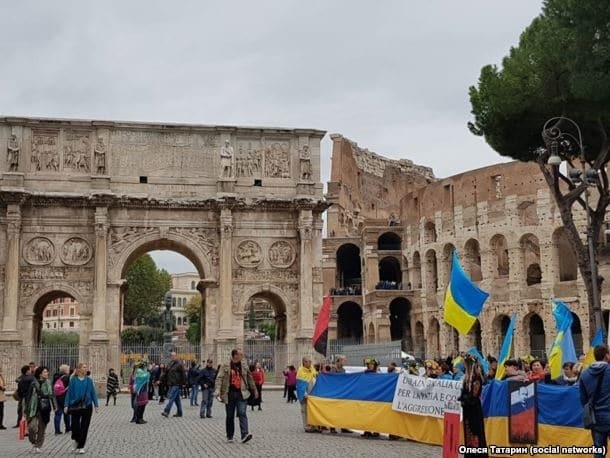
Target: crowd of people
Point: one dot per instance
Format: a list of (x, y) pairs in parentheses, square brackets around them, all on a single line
[(355, 290)]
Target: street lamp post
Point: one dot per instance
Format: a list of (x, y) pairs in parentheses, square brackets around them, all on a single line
[(559, 142)]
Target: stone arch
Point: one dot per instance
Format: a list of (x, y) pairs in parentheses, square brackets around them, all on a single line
[(389, 241), (416, 270), (499, 250), (349, 322), (446, 262), (431, 271), (400, 321), (434, 342), (564, 258), (429, 232), (534, 328), (349, 266), (278, 301), (577, 334), (36, 305), (389, 271), (170, 241), (472, 259), (420, 343), (530, 252), (499, 327), (371, 333)]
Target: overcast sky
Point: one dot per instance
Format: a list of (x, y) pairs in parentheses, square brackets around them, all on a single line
[(392, 76)]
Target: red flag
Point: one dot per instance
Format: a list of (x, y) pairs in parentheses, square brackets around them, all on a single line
[(320, 334)]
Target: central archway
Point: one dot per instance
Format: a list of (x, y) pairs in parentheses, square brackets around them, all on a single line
[(400, 322), (349, 322)]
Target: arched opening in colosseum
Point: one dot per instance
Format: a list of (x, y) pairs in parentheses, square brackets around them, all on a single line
[(349, 266), (455, 340), (57, 318), (420, 343), (565, 260), (429, 232), (371, 335), (265, 315), (499, 249), (475, 336), (446, 260), (576, 334), (389, 241), (416, 277), (500, 328), (530, 251), (434, 336), (390, 275), (472, 260), (537, 336), (349, 322), (431, 271), (400, 321)]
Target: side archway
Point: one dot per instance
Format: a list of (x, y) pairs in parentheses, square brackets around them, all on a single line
[(349, 322), (400, 321), (434, 342), (278, 301)]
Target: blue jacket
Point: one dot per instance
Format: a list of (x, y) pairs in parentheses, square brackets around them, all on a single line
[(79, 389), (193, 375), (207, 376), (588, 383)]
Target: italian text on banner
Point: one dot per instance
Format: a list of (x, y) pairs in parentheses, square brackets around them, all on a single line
[(426, 396)]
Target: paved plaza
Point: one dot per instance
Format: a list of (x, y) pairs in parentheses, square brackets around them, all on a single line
[(277, 433)]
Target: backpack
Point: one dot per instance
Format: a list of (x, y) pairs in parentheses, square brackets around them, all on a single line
[(59, 389)]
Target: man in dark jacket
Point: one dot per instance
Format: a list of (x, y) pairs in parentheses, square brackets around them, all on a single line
[(207, 380), (598, 373), (23, 388), (193, 378), (175, 379)]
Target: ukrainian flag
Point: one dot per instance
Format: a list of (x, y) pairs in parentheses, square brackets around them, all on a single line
[(507, 347), (463, 299), (562, 350), (597, 340)]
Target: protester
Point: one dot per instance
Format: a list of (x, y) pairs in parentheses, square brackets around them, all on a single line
[(2, 399), (132, 394), (372, 367), (568, 377), (207, 381), (493, 367), (39, 403), (291, 382), (539, 372), (112, 386), (80, 398), (234, 387), (258, 375), (512, 372), (141, 381), (60, 386), (595, 388), (306, 378), (23, 388), (176, 379), (472, 411), (193, 381)]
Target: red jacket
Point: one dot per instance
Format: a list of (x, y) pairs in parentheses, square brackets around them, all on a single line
[(259, 376)]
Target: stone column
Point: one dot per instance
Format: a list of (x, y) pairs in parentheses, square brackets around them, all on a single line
[(226, 280), (305, 287), (99, 331), (516, 277), (11, 280)]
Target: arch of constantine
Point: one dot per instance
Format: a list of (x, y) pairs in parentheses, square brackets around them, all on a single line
[(81, 200)]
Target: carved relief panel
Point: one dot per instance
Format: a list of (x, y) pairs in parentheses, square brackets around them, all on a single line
[(249, 159), (248, 254), (39, 251), (281, 254), (45, 151), (277, 159), (122, 237), (77, 151), (76, 252)]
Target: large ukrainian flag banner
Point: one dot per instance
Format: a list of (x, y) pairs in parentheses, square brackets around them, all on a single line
[(463, 299), (364, 402), (562, 350)]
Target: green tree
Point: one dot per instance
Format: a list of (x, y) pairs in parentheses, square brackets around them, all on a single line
[(143, 335), (560, 68), (194, 312), (146, 286), (60, 338), (268, 328)]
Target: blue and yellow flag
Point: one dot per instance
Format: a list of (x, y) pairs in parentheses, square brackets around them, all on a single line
[(463, 299), (598, 339), (562, 350), (507, 347)]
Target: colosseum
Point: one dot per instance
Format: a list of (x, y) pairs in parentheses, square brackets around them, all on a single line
[(391, 230)]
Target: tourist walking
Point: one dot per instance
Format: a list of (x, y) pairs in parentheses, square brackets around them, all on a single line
[(2, 399), (306, 377), (23, 388), (112, 386), (193, 379), (80, 399), (207, 381), (162, 382), (175, 381), (291, 383), (142, 379), (60, 386), (234, 386), (595, 389), (258, 374), (39, 403)]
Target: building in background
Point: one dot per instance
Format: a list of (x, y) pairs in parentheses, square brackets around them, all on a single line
[(184, 288), (62, 314)]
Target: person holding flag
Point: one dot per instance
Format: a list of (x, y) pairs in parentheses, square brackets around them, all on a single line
[(562, 350), (507, 347)]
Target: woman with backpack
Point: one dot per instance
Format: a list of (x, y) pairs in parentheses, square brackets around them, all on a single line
[(60, 386), (39, 403), (80, 398)]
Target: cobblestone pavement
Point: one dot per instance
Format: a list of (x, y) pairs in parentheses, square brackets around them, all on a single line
[(277, 433)]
